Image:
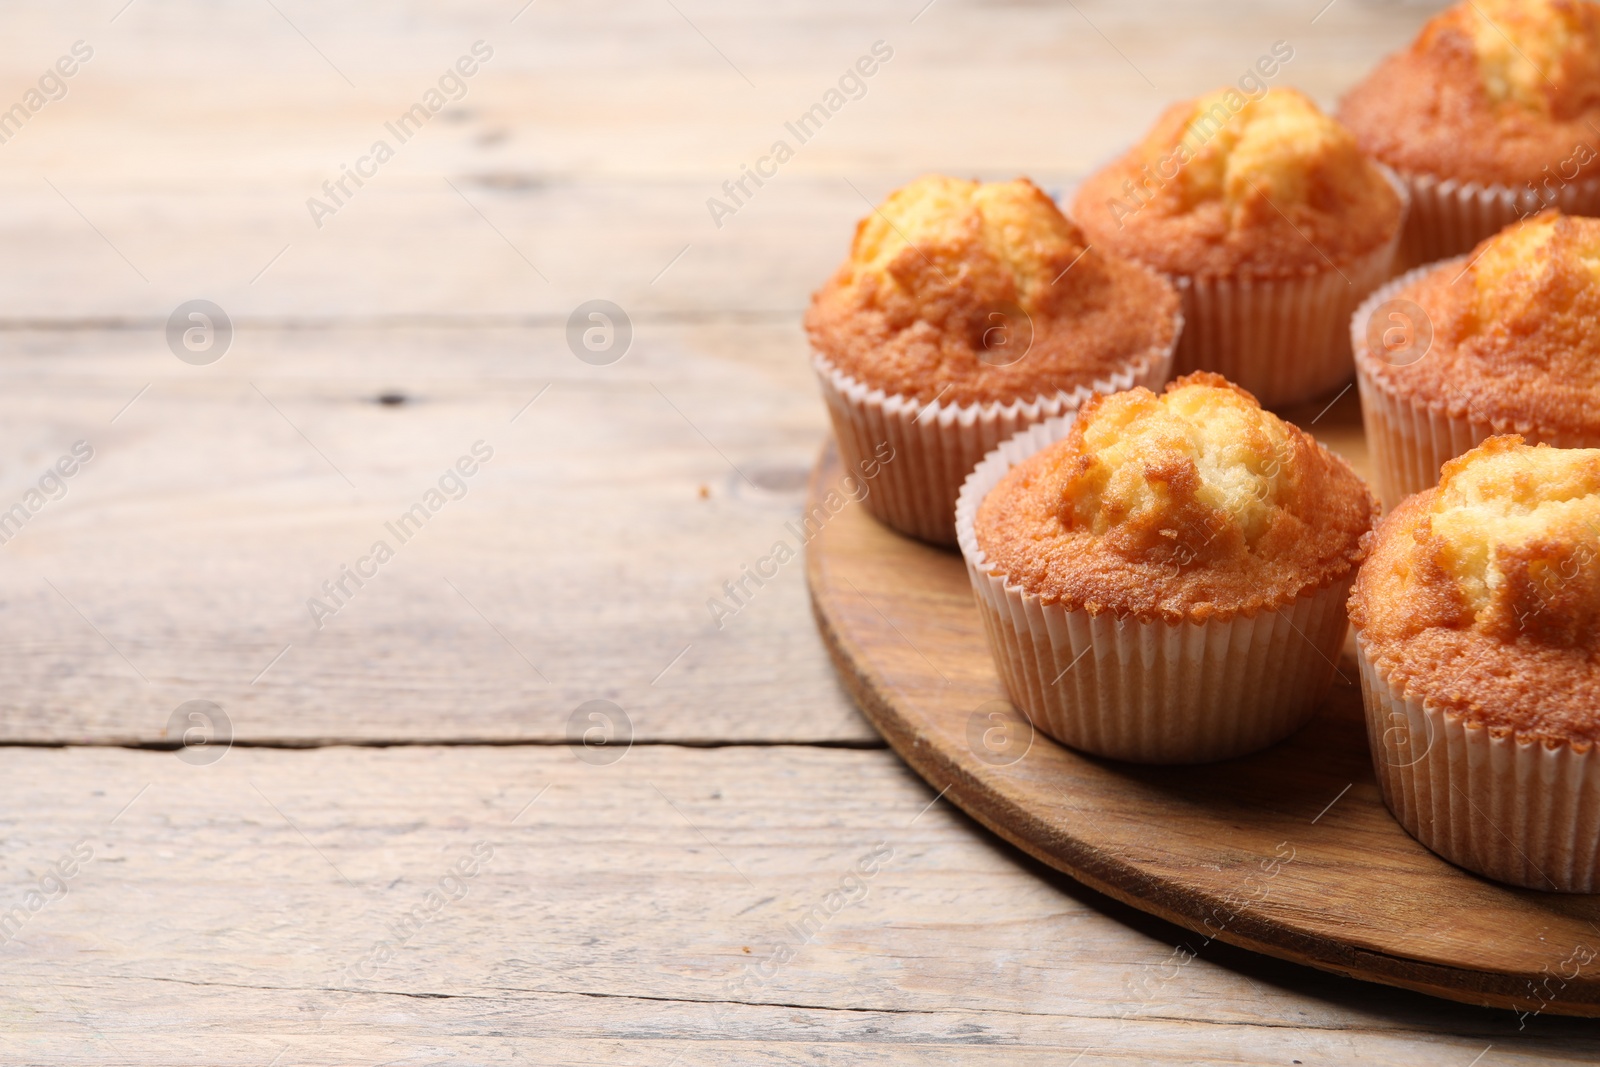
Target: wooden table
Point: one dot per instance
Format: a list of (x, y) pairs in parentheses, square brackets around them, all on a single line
[(401, 859)]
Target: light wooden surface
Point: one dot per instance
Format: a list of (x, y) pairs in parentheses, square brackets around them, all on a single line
[(220, 908), (215, 924)]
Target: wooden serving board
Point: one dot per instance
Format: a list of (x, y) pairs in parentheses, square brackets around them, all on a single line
[(1289, 852)]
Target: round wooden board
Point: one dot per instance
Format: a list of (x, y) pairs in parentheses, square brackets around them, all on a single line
[(1289, 852)]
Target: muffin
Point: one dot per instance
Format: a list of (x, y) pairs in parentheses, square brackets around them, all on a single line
[(965, 312), (1274, 222), (1490, 116), (1163, 579), (1477, 624), (1502, 341)]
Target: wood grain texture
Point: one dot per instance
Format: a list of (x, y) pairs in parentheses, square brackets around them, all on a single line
[(591, 141), (590, 544), (607, 928), (230, 912), (179, 564), (1290, 851)]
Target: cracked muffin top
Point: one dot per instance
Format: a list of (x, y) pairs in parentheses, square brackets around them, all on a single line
[(978, 292), (1188, 506), (1491, 91), (1483, 595), (1514, 332), (1228, 184)]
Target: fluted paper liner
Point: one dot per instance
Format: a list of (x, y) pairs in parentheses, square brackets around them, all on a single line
[(1526, 813), (937, 445), (1408, 438), (1449, 217), (1283, 338), (1148, 692)]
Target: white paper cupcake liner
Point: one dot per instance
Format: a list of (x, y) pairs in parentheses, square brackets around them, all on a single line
[(1523, 813), (1410, 439), (1283, 339), (935, 446), (1149, 692), (1449, 217)]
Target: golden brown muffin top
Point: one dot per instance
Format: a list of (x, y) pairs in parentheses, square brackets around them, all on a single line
[(1482, 596), (1227, 185), (1491, 91), (1188, 506), (950, 282), (1516, 331)]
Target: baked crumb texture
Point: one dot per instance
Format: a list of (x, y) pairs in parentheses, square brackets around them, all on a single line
[(949, 281), (1228, 185), (1516, 337), (1491, 91), (1188, 506), (1482, 596)]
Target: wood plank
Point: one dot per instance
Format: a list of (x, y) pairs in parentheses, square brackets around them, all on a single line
[(225, 905), (181, 560), (194, 540), (191, 142)]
